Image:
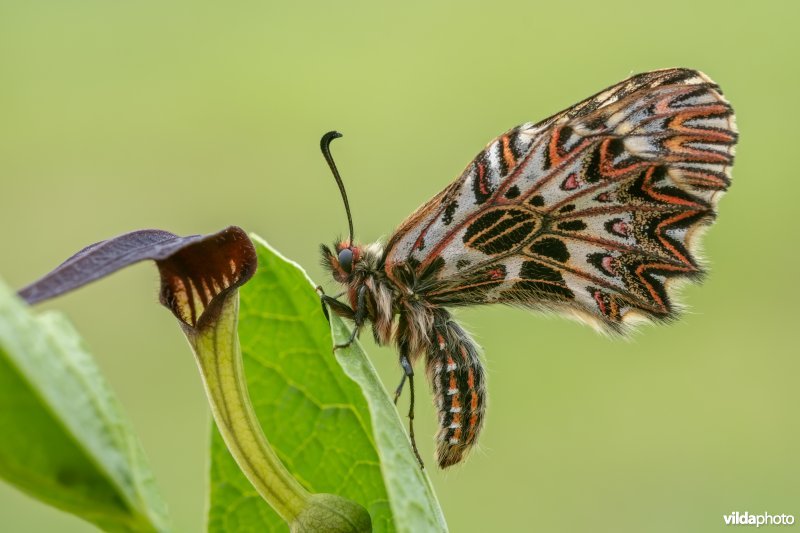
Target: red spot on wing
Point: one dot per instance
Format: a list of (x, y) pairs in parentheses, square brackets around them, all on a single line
[(598, 297), (496, 273), (620, 227), (482, 179), (609, 264), (571, 183)]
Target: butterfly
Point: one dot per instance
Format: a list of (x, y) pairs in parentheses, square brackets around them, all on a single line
[(594, 212)]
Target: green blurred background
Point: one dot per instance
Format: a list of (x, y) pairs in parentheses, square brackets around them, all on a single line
[(191, 116)]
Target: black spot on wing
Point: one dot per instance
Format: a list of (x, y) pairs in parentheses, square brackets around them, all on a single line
[(449, 211), (552, 248), (592, 169), (615, 147), (572, 225), (546, 162), (512, 192), (542, 280), (537, 201)]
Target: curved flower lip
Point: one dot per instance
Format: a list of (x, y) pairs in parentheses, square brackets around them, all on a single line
[(195, 270)]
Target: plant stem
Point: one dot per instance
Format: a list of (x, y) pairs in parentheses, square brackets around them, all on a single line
[(219, 358)]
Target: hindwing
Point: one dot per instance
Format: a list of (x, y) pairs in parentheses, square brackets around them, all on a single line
[(593, 210)]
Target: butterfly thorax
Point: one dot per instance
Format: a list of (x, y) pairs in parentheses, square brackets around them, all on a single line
[(361, 270)]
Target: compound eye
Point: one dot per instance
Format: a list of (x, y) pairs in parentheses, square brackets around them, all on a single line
[(346, 260)]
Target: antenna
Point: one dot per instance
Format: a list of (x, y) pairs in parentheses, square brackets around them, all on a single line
[(325, 146)]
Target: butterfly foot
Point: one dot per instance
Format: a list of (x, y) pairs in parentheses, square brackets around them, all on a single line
[(342, 345), (399, 389), (322, 302), (349, 341)]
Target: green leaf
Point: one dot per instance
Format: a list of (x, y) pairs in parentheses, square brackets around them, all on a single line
[(413, 502), (314, 415), (64, 438)]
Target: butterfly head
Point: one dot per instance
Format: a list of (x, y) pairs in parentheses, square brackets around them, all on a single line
[(343, 260)]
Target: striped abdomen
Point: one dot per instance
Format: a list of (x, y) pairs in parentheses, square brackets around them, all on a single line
[(458, 383)]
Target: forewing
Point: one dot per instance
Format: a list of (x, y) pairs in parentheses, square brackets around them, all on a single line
[(594, 210)]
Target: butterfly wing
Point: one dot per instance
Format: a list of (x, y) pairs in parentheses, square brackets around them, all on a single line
[(594, 210)]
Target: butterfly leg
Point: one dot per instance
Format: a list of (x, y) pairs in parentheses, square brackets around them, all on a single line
[(338, 307), (409, 373), (399, 390), (322, 297), (359, 316)]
